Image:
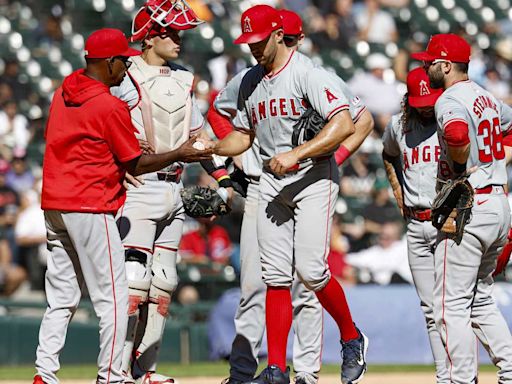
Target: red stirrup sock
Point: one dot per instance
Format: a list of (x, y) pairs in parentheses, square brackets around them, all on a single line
[(279, 321), (334, 301)]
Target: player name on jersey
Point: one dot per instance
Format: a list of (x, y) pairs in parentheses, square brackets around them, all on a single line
[(483, 102), (424, 154)]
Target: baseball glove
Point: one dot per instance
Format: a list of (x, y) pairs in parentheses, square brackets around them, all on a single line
[(451, 209), (203, 202), (307, 127)]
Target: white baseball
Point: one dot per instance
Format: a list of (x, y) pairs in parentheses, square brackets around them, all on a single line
[(199, 146)]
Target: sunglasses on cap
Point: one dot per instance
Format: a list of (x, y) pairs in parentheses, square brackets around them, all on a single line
[(124, 59), (428, 64)]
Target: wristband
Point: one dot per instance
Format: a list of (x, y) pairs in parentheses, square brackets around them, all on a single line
[(341, 155)]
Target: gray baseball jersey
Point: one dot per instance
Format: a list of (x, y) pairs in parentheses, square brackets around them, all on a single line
[(487, 118), (419, 151), (274, 104), (463, 303), (417, 145)]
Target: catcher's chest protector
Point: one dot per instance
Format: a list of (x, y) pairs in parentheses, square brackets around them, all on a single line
[(171, 103)]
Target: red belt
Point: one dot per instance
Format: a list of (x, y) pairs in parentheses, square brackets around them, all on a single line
[(486, 190), (420, 214)]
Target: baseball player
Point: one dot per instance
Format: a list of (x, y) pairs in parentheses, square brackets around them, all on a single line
[(90, 143), (151, 221), (411, 153), (470, 123), (249, 320), (296, 202)]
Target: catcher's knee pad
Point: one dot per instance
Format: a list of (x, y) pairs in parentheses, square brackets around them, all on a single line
[(138, 272), (164, 270)]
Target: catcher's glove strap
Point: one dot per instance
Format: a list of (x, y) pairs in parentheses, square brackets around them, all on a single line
[(169, 177), (489, 189), (420, 214)]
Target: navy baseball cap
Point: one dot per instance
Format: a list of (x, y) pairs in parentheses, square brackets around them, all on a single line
[(258, 23)]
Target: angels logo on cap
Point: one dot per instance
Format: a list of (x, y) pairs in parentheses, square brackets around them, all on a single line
[(247, 25), (424, 88), (258, 23)]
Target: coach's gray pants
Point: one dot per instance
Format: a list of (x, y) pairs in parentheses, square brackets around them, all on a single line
[(85, 247)]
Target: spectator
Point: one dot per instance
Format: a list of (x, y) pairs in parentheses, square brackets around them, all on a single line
[(19, 90), (381, 208), (30, 233), (385, 262), (210, 242), (11, 273), (376, 25), (494, 84), (9, 207), (14, 132), (20, 177), (336, 259), (381, 95)]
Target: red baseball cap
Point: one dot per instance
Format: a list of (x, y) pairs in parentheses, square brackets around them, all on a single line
[(258, 23), (445, 46), (108, 42), (292, 23), (418, 88)]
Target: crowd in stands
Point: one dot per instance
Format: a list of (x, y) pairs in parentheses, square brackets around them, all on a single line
[(367, 42)]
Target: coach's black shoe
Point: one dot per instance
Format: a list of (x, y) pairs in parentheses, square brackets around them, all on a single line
[(272, 375), (353, 355)]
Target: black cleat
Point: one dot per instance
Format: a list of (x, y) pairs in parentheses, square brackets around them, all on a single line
[(272, 375), (353, 353)]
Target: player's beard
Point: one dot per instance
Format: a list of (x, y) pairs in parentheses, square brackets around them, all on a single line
[(436, 77)]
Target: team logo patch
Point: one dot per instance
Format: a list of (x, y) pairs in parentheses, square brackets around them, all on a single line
[(330, 96), (247, 25), (424, 91)]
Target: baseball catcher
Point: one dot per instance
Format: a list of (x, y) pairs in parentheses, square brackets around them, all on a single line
[(451, 209), (204, 202)]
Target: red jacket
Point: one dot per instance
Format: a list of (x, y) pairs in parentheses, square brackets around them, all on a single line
[(89, 134)]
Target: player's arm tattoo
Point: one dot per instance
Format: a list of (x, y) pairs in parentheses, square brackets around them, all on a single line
[(394, 172)]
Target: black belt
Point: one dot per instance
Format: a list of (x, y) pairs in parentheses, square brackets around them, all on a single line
[(169, 177)]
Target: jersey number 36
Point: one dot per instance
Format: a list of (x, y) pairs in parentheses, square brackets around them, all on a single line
[(492, 141)]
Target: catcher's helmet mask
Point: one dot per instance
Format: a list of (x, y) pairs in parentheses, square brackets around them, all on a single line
[(158, 15)]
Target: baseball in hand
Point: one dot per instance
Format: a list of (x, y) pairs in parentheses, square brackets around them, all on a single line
[(199, 146)]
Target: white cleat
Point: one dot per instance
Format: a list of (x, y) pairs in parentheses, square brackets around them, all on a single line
[(155, 378)]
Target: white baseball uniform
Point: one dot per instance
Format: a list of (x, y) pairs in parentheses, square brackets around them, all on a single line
[(151, 221)]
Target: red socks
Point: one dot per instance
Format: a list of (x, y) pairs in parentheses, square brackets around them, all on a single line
[(279, 321), (334, 301)]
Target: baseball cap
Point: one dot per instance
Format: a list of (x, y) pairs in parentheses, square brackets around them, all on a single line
[(445, 46), (258, 23), (418, 88), (108, 42), (292, 23)]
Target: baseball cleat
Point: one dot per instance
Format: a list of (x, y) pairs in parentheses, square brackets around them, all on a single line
[(38, 380), (229, 380), (272, 375), (353, 355), (305, 378), (155, 378)]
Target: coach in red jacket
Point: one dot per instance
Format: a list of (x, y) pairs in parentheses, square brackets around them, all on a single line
[(90, 143)]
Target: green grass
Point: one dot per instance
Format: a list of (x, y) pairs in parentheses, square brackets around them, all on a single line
[(220, 369)]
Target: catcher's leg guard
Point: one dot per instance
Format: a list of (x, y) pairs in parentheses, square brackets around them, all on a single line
[(163, 284), (139, 278)]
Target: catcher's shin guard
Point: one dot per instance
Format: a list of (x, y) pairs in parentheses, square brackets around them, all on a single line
[(163, 284)]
